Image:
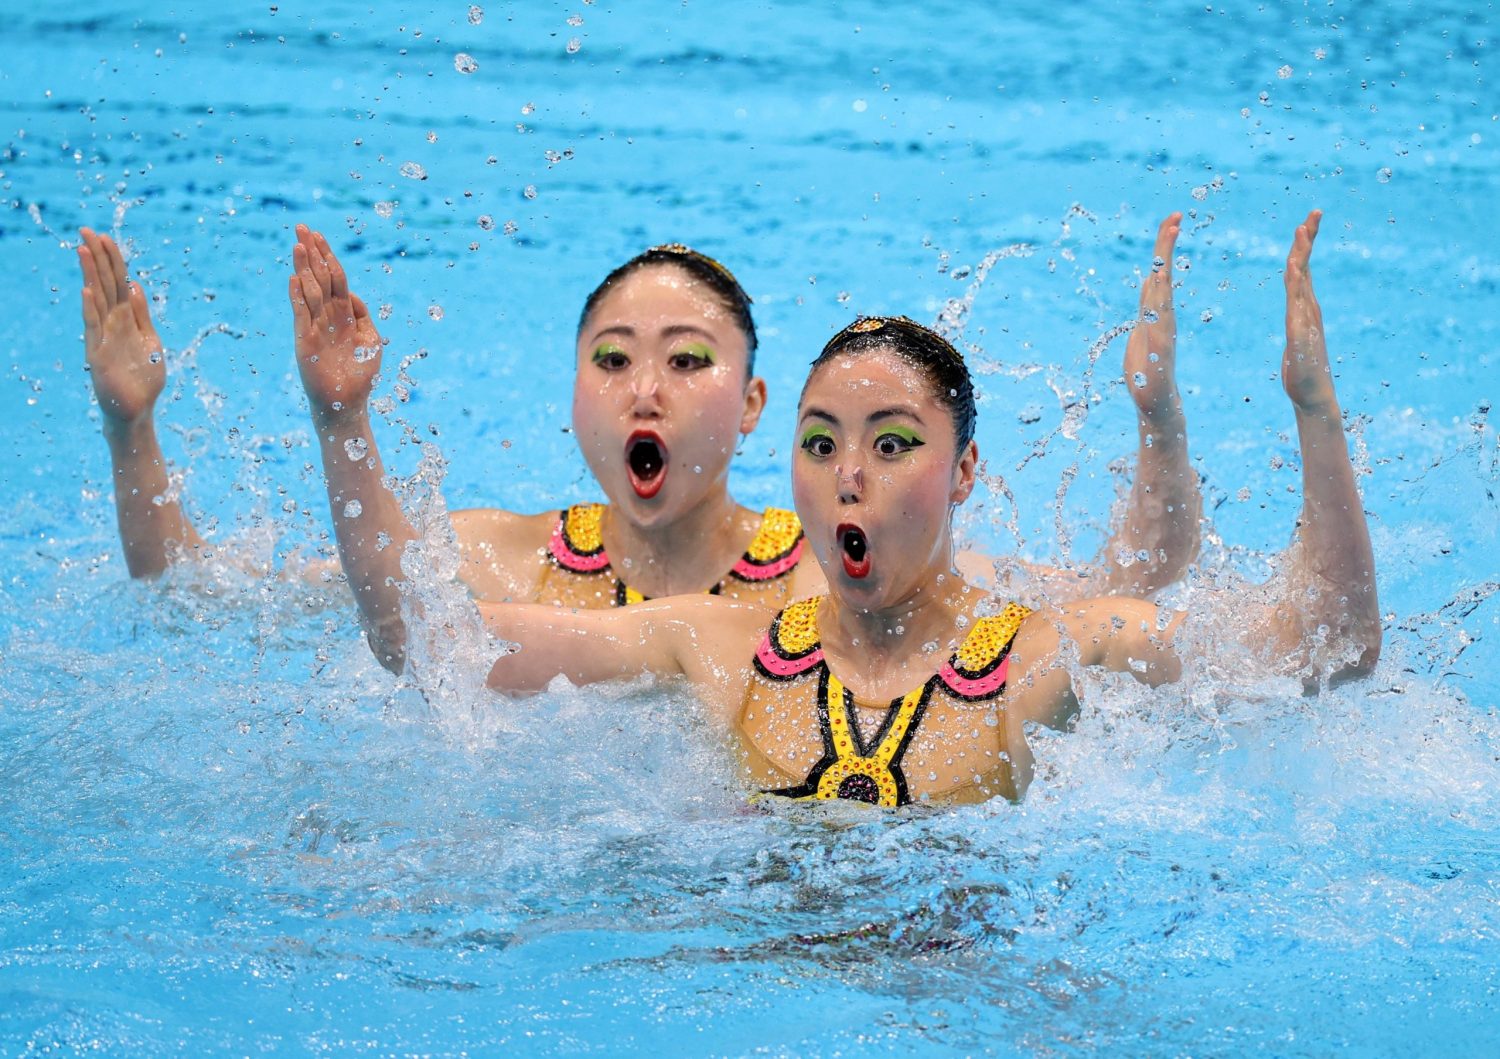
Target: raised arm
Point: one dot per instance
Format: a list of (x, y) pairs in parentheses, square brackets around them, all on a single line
[(338, 356), (127, 364), (1322, 621), (1333, 566), (1159, 535)]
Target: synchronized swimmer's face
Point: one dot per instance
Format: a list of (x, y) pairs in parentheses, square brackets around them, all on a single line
[(662, 396), (875, 475)]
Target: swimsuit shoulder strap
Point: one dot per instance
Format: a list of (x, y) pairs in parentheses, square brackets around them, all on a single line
[(577, 542), (980, 666), (791, 646), (775, 549)]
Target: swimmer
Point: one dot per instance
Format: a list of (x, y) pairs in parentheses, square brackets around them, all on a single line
[(904, 682), (664, 388)]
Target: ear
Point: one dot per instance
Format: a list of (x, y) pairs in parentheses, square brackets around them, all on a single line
[(755, 404), (963, 474)]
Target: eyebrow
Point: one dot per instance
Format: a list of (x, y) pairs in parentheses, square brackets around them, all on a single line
[(670, 331), (874, 417)]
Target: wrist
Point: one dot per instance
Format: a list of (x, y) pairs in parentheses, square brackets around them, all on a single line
[(120, 431), (349, 419)]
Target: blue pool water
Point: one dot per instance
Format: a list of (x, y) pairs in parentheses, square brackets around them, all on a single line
[(225, 829)]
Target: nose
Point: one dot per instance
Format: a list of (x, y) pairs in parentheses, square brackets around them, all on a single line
[(645, 392), (851, 483)]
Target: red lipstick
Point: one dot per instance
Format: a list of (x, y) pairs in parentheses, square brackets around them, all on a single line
[(646, 463), (855, 549)]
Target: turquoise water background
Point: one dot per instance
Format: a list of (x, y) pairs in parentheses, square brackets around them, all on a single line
[(224, 829)]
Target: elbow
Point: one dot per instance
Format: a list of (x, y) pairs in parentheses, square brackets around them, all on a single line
[(389, 650), (1357, 666)]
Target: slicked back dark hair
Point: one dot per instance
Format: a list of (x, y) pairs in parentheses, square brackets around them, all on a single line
[(932, 354), (702, 268)]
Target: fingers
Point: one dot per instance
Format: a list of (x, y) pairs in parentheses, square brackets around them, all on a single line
[(94, 303), (116, 267), (95, 262), (90, 322), (316, 265), (141, 311), (301, 318), (1302, 243), (307, 282), (1156, 291), (360, 312), (1166, 240), (338, 283)]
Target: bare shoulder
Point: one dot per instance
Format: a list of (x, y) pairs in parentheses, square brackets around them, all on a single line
[(711, 640), (502, 551)]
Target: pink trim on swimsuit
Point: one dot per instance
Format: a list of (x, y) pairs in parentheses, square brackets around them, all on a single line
[(568, 559), (971, 688), (784, 667), (746, 570)]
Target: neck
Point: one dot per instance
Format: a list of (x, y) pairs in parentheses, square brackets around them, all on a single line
[(688, 554), (915, 633)]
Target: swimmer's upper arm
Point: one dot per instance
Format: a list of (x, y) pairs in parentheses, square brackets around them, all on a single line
[(1118, 633), (501, 552), (1125, 635), (699, 637)]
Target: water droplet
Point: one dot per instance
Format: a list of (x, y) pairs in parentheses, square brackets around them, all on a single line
[(1207, 315), (1183, 264), (1031, 413), (843, 297), (435, 311), (1200, 192), (529, 191), (529, 108), (385, 209), (382, 541), (1150, 315), (1158, 263), (464, 63), (412, 171), (365, 354), (573, 45), (1285, 72), (1139, 378), (353, 509), (356, 448), (476, 15), (155, 357), (511, 228), (1265, 99), (487, 222), (431, 136), (575, 20), (385, 312), (1385, 174), (962, 272)]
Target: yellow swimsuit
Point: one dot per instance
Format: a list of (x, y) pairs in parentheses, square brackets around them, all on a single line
[(791, 673), (577, 572)]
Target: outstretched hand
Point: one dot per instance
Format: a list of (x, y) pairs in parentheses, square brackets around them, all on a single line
[(1304, 365), (338, 347), (1151, 351), (120, 343)]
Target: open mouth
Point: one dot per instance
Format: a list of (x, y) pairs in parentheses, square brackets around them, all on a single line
[(646, 460), (855, 549)]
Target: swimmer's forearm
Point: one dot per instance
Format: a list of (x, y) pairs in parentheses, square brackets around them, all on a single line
[(1162, 515), (369, 525), (1335, 535), (150, 519)]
